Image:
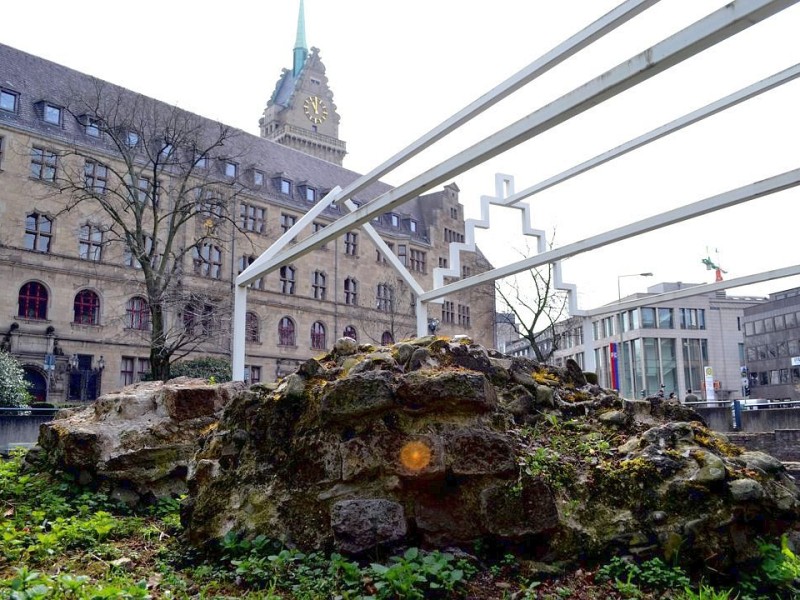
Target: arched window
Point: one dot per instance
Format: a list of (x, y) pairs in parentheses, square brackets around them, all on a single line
[(350, 332), (33, 301), (86, 308), (137, 314), (252, 327), (286, 332), (387, 338), (318, 336)]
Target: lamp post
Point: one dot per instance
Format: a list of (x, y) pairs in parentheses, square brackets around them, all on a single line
[(621, 362)]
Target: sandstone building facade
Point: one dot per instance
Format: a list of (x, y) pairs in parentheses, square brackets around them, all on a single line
[(91, 209)]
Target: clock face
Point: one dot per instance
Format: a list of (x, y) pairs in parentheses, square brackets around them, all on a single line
[(315, 109)]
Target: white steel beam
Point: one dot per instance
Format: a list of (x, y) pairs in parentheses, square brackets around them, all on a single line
[(727, 199), (691, 118), (571, 46), (254, 271), (387, 253), (718, 26), (695, 290)]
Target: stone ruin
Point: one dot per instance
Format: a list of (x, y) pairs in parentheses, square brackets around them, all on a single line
[(436, 443)]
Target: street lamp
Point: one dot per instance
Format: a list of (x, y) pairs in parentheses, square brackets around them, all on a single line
[(621, 323)]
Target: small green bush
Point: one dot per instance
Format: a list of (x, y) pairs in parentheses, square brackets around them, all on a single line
[(207, 367)]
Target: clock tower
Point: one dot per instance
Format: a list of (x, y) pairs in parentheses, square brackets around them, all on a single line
[(301, 113)]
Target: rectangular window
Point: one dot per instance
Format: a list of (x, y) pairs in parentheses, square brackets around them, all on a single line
[(749, 329), (401, 254), (43, 164), (244, 262), (208, 261), (665, 318), (394, 220), (258, 178), (412, 225), (319, 285), (143, 369), (252, 218), (52, 114), (463, 315), (453, 212), (254, 373), (95, 176), (380, 257), (201, 161), (143, 185), (287, 280), (351, 291), (126, 370), (231, 169), (90, 244), (287, 222), (448, 312), (769, 325), (286, 186), (693, 318), (791, 319), (417, 262), (351, 243), (8, 100), (442, 262), (648, 317), (311, 194), (384, 297)]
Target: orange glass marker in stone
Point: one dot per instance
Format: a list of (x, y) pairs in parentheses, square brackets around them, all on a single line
[(415, 456)]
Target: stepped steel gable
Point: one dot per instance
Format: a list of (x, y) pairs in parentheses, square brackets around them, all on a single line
[(704, 33)]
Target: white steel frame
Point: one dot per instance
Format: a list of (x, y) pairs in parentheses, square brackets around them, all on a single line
[(715, 27)]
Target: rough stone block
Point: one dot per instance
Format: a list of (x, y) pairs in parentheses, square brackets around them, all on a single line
[(362, 525), (480, 452)]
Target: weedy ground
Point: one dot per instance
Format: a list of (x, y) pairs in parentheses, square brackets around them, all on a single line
[(59, 541)]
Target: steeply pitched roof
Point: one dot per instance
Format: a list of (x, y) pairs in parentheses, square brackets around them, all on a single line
[(36, 79)]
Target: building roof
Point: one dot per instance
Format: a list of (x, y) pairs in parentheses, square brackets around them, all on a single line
[(38, 80)]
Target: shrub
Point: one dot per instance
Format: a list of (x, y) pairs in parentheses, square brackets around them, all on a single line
[(13, 387), (216, 369)]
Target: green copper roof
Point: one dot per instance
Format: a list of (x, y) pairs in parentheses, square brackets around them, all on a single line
[(300, 48)]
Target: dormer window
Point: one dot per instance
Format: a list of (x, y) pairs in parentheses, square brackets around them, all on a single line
[(91, 126), (8, 100), (412, 225), (201, 161), (258, 177), (52, 114), (394, 220), (231, 169), (311, 194), (284, 185), (131, 139)]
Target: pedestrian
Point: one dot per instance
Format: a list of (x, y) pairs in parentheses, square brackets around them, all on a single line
[(661, 391), (690, 397), (672, 395)]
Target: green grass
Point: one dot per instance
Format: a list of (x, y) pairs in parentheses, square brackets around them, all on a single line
[(60, 541)]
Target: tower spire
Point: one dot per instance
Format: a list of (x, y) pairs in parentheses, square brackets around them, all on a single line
[(300, 48)]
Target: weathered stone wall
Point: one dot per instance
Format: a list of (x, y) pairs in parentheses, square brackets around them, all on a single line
[(441, 443)]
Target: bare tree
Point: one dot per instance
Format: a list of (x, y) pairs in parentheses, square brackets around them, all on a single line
[(395, 312), (162, 183), (537, 306)]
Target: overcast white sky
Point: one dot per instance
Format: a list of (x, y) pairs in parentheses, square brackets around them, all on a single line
[(398, 69)]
